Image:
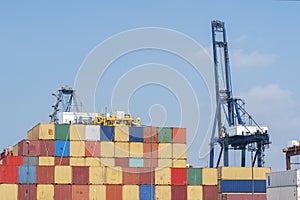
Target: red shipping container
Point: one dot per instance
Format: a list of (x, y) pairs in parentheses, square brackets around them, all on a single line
[(47, 147), (149, 162), (92, 149), (179, 192), (244, 196), (80, 192), (178, 176), (150, 150), (62, 161), (147, 177), (44, 174), (131, 176), (179, 135), (8, 174), (210, 192), (34, 147), (114, 192), (23, 191), (13, 160), (62, 192), (80, 175), (150, 131), (122, 162)]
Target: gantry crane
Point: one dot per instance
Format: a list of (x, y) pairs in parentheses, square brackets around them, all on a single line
[(233, 127)]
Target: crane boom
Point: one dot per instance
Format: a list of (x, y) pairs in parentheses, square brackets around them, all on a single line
[(240, 130)]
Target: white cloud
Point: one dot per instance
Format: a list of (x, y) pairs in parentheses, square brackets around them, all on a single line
[(240, 58), (274, 106)]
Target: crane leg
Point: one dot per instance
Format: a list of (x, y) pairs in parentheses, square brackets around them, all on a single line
[(243, 161)]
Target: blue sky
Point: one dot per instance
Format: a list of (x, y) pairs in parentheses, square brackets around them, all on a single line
[(43, 45)]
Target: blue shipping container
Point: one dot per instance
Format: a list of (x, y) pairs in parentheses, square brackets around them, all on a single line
[(136, 162), (147, 192), (30, 160), (243, 186), (27, 174), (107, 133), (136, 134), (62, 148)]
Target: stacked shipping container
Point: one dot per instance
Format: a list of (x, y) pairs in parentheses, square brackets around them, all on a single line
[(283, 185), (237, 183), (106, 162)]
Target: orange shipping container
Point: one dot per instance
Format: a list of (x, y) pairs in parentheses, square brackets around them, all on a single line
[(179, 135), (80, 192), (114, 192)]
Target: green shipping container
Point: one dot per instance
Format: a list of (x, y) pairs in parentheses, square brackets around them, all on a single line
[(165, 135), (62, 132), (194, 176)]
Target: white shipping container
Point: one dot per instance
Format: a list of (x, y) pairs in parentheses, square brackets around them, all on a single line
[(283, 178), (283, 193), (248, 130), (76, 117), (92, 132)]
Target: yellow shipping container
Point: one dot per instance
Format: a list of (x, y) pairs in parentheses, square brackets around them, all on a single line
[(179, 151), (209, 176), (9, 191), (46, 161), (107, 149), (242, 173), (97, 192), (179, 163), (260, 173), (79, 161), (121, 149), (130, 192), (164, 150), (42, 132), (92, 162), (164, 163), (107, 162), (1, 161), (136, 149), (15, 150), (114, 175), (63, 174), (77, 149), (163, 192), (45, 192), (122, 133), (97, 175), (77, 132), (163, 176), (194, 192)]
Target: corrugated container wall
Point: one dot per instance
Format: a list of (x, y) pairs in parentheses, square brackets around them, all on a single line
[(9, 191), (130, 192), (23, 192), (163, 192), (283, 178), (42, 132), (62, 191), (283, 193), (45, 192)]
